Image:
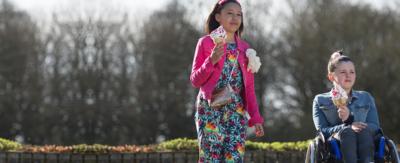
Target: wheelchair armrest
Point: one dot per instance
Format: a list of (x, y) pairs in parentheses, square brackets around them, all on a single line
[(334, 148), (380, 148), (321, 136)]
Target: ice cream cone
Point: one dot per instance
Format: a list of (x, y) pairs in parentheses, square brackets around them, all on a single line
[(218, 35), (339, 95)]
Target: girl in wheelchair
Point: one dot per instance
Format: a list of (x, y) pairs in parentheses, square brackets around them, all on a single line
[(354, 122)]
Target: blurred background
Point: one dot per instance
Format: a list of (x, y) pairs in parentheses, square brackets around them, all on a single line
[(117, 72)]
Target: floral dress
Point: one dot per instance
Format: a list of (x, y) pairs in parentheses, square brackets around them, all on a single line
[(221, 132)]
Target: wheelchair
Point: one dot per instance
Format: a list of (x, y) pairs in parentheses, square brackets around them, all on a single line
[(321, 150)]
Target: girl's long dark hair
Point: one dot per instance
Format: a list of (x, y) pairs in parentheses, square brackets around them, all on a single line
[(212, 22)]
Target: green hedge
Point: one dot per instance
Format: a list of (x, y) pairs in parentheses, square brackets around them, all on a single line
[(180, 144), (8, 145), (191, 144), (278, 146)]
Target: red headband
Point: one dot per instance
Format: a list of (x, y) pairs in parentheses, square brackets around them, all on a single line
[(221, 2)]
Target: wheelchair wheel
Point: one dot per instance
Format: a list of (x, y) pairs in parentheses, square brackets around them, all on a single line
[(393, 155), (310, 155), (316, 152)]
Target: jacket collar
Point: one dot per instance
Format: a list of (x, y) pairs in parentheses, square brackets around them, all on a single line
[(354, 96), (240, 43)]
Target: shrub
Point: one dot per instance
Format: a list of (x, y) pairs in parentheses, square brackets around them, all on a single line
[(8, 145), (278, 146), (179, 144), (192, 144)]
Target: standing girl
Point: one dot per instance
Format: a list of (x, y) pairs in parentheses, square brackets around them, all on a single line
[(221, 131)]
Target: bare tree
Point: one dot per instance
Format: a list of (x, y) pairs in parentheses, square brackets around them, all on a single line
[(165, 52), (20, 88), (366, 35), (90, 76)]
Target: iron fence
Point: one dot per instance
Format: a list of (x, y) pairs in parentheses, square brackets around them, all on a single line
[(152, 157)]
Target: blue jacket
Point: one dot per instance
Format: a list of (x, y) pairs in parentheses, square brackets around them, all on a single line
[(361, 105)]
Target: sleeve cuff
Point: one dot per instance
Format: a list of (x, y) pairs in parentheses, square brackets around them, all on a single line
[(349, 120), (253, 121), (208, 62)]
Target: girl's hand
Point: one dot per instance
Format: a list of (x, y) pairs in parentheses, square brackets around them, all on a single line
[(259, 130), (343, 113), (358, 126), (217, 53)]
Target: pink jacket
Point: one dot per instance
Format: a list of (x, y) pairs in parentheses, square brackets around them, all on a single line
[(205, 75)]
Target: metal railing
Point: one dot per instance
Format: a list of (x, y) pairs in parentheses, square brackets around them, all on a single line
[(152, 157)]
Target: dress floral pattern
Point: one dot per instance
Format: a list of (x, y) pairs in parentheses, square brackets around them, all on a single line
[(221, 132)]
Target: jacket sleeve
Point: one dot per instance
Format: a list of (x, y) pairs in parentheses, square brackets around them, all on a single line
[(372, 116), (202, 67), (253, 109), (321, 123)]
